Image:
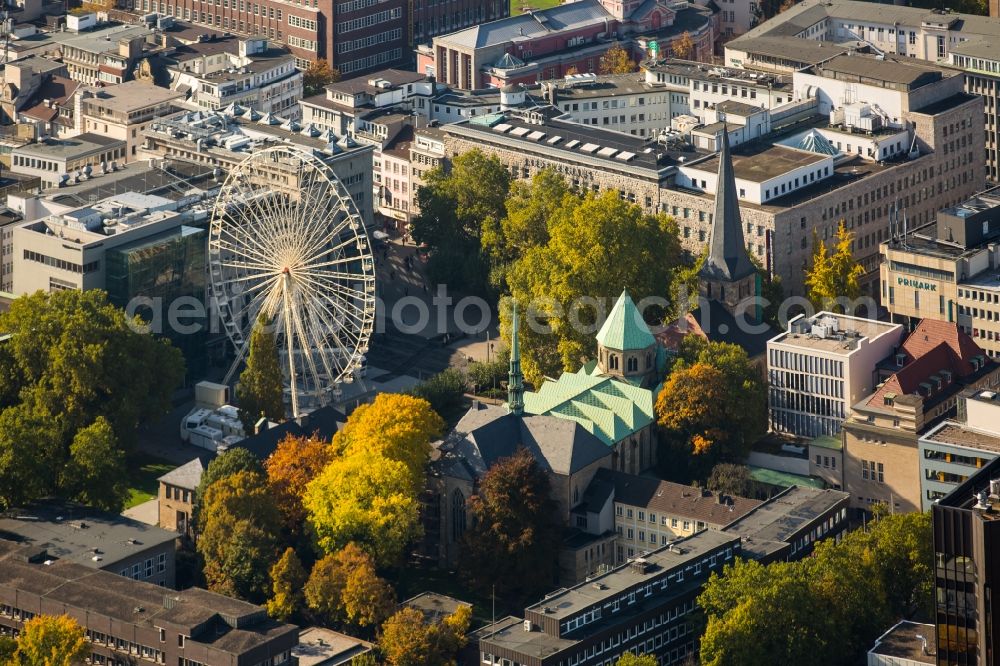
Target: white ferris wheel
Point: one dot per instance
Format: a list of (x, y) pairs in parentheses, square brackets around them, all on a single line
[(287, 245)]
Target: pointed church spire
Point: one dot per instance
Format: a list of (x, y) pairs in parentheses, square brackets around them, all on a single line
[(727, 258), (515, 380)]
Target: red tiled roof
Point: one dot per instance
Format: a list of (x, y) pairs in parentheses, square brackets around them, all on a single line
[(932, 347), (672, 334)]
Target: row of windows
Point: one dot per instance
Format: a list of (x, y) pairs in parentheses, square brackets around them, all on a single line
[(872, 471), (371, 61), (139, 571), (370, 40), (300, 22), (369, 20), (61, 264), (805, 363), (807, 383), (355, 5), (298, 42)]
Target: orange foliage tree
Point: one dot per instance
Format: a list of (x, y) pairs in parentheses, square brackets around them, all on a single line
[(296, 462)]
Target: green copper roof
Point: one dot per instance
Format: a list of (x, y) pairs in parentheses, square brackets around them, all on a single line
[(624, 329), (609, 408), (783, 479)]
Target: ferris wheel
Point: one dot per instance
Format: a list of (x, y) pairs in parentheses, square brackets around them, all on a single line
[(287, 246)]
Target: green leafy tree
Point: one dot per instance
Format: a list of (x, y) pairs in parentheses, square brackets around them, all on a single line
[(487, 377), (96, 473), (455, 206), (344, 587), (8, 648), (631, 659), (231, 462), (766, 614), (287, 579), (834, 275), (512, 544), (597, 246), (260, 390), (617, 60), (731, 479), (70, 360), (50, 640), (240, 527), (445, 391)]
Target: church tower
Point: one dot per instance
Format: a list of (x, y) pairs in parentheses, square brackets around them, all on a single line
[(515, 380), (728, 276), (626, 349)]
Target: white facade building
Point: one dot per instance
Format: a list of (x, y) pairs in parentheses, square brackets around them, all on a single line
[(822, 366)]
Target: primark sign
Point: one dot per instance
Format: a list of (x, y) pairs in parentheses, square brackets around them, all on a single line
[(916, 284)]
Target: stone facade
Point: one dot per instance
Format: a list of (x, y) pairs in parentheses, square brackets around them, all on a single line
[(176, 505)]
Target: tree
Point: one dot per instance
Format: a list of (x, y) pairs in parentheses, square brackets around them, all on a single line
[(515, 535), (597, 245), (408, 639), (317, 76), (730, 479), (630, 659), (766, 614), (455, 205), (48, 640), (395, 425), (683, 46), (344, 587), (571, 70), (445, 391), (239, 535), (487, 377), (295, 462), (835, 275), (704, 426), (405, 640), (287, 579), (231, 462), (96, 474), (8, 648), (71, 359), (617, 60), (369, 499), (260, 390)]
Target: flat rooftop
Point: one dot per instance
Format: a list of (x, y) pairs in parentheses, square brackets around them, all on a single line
[(326, 647), (70, 531), (132, 96), (887, 71), (62, 149), (434, 606), (760, 162), (850, 331), (567, 602), (700, 71), (805, 51), (908, 640), (772, 525), (959, 434)]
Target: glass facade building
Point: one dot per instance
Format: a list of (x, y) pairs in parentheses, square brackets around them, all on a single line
[(165, 269)]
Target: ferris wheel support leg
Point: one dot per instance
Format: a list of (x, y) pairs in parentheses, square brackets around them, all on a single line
[(287, 302)]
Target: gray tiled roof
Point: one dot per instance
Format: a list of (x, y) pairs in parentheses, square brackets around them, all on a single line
[(562, 17), (187, 476)]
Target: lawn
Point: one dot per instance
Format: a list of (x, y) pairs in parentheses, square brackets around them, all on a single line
[(144, 471), (517, 5)]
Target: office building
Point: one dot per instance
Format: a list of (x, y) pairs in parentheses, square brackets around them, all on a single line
[(131, 620), (341, 106), (646, 604), (91, 538), (122, 112), (57, 161), (248, 72), (822, 366), (949, 271), (210, 140), (955, 449), (546, 44), (919, 385), (967, 566), (812, 30), (800, 168)]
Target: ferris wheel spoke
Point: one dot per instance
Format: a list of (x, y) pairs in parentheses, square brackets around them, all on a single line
[(349, 241), (344, 306), (325, 286), (332, 325)]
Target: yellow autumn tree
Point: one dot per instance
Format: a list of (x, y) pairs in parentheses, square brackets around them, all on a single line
[(834, 275), (693, 404), (396, 426), (317, 75), (344, 586), (287, 578), (616, 60), (683, 46), (52, 640)]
